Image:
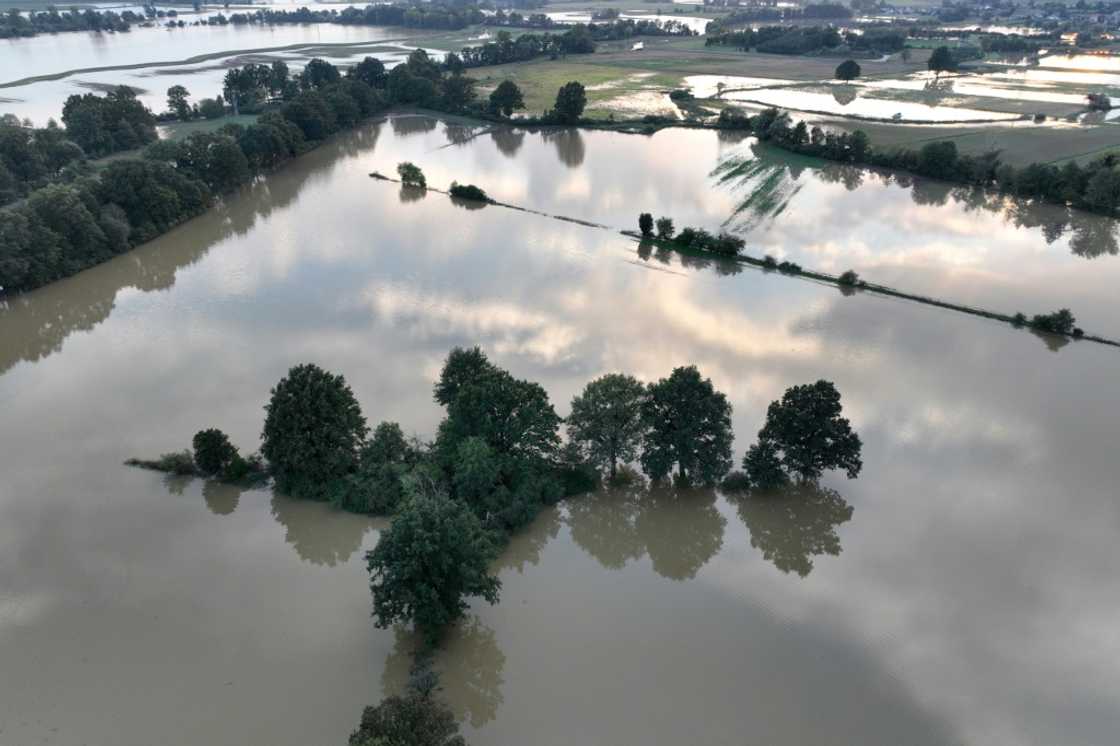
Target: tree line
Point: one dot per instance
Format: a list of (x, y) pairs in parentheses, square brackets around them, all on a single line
[(808, 39), (498, 458), (71, 219), (1094, 187), (14, 24)]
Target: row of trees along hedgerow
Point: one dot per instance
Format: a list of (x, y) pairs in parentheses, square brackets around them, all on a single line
[(1094, 187), (498, 457), (67, 217)]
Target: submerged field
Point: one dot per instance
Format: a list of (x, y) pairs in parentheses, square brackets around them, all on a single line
[(930, 591)]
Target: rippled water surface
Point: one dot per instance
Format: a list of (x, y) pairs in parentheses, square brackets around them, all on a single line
[(960, 591)]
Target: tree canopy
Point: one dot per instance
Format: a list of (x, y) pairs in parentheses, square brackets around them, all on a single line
[(941, 60), (848, 70), (606, 420), (804, 435), (432, 558), (687, 425), (312, 431), (506, 98), (570, 102)]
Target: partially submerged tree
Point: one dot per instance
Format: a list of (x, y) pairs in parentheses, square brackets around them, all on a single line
[(213, 453), (433, 557), (411, 175), (804, 435), (687, 426), (312, 431), (606, 420), (416, 718), (645, 224), (941, 60)]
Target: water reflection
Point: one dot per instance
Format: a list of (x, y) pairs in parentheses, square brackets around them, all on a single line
[(525, 547), (222, 499), (680, 530), (844, 94), (467, 204), (569, 145), (469, 663), (409, 193), (508, 140), (764, 182), (320, 534), (36, 324), (412, 124), (792, 526)]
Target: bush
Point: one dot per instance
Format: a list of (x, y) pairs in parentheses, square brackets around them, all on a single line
[(181, 463), (213, 453), (468, 191), (645, 224), (789, 268), (850, 278), (411, 175), (211, 108), (1059, 322)]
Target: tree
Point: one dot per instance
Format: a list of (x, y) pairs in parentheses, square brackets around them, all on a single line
[(458, 91), (665, 228), (938, 159), (848, 70), (645, 224), (312, 431), (432, 558), (806, 435), (570, 102), (377, 486), (606, 420), (461, 367), (411, 175), (319, 73), (942, 60), (213, 453), (177, 102), (505, 98), (370, 71), (688, 425)]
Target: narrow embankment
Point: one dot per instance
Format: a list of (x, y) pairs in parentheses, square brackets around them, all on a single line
[(768, 265)]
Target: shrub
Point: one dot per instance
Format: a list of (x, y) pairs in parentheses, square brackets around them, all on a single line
[(850, 278), (181, 463), (645, 224), (468, 191), (789, 268), (213, 453), (736, 481), (1059, 322)]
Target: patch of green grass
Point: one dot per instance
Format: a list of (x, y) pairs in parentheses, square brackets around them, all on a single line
[(181, 130)]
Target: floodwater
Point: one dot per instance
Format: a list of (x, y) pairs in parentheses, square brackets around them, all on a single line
[(960, 591), (696, 24), (797, 99), (151, 60)]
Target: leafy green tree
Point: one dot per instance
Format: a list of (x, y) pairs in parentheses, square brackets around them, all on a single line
[(848, 70), (377, 486), (458, 91), (941, 60), (763, 467), (312, 431), (645, 224), (506, 98), (213, 453), (687, 425), (606, 420), (665, 228), (570, 102), (370, 71), (938, 159), (411, 175), (318, 74), (433, 557), (278, 77), (806, 434), (1102, 192), (177, 102), (461, 367)]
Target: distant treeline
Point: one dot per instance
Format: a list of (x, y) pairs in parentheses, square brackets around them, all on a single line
[(821, 11), (1094, 187), (808, 39), (407, 15), (14, 24), (62, 228)]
